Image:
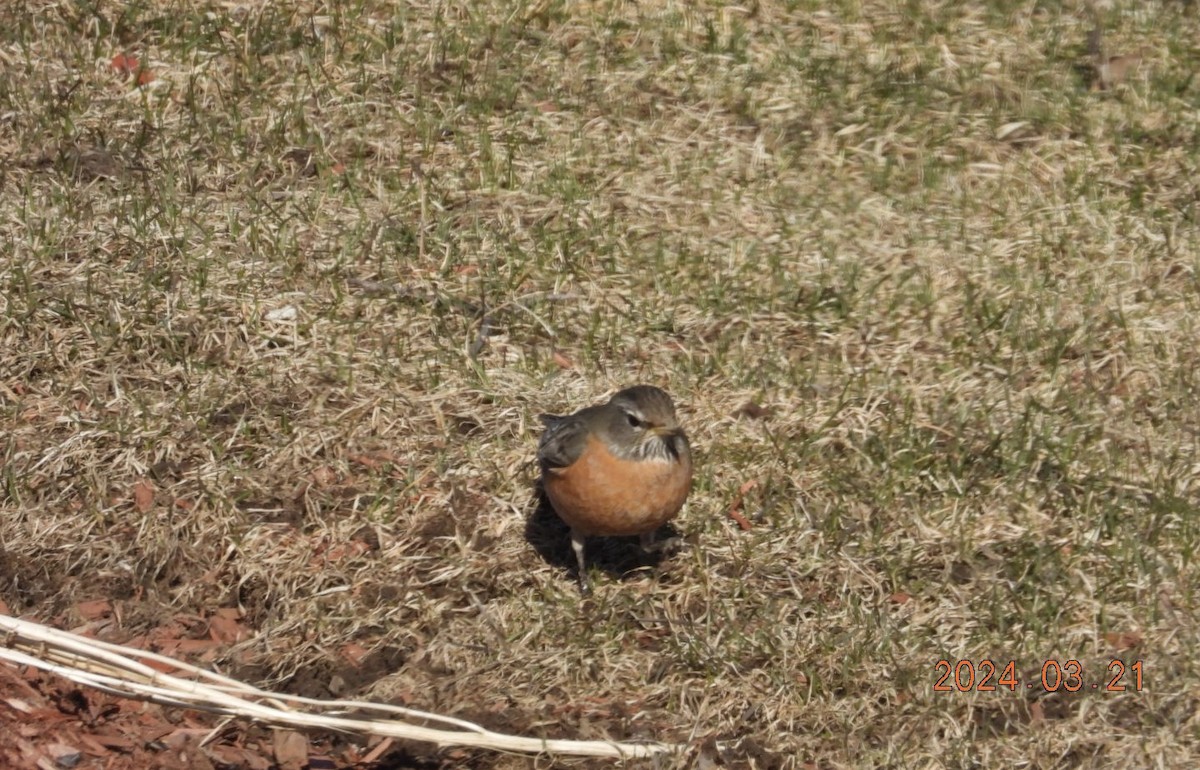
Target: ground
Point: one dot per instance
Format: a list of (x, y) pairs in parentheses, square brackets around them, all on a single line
[(285, 287)]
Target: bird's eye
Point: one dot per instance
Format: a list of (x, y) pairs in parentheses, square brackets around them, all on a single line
[(634, 422)]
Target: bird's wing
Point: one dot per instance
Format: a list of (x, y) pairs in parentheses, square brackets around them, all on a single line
[(563, 440)]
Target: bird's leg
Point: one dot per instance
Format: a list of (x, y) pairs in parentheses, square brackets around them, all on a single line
[(577, 542), (650, 546)]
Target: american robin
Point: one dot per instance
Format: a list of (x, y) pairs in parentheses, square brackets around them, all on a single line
[(619, 468)]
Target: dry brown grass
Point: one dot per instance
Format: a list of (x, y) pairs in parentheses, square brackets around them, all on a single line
[(306, 287)]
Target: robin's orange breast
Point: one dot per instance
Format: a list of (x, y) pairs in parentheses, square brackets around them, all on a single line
[(602, 494)]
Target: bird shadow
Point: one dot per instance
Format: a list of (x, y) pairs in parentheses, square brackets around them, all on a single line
[(619, 558)]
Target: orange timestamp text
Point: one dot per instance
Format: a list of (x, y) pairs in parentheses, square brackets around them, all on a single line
[(1069, 675)]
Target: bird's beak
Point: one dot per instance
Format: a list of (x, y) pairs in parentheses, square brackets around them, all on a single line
[(664, 432)]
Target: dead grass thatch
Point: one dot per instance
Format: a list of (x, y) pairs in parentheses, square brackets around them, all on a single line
[(282, 298)]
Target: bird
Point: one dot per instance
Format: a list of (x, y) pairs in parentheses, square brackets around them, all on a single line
[(622, 467)]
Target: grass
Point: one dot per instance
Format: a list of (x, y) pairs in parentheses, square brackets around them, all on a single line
[(314, 282)]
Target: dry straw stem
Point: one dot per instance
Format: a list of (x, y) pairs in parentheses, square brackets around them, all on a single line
[(116, 670)]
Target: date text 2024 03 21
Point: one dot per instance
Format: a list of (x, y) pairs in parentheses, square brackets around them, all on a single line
[(965, 676)]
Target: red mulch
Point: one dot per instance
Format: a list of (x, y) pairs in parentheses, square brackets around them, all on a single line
[(50, 723)]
